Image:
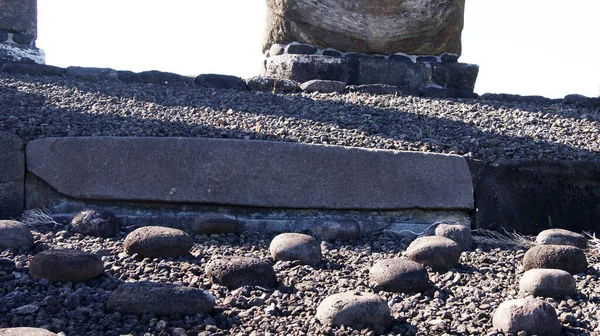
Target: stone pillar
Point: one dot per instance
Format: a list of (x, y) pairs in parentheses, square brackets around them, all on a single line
[(18, 32)]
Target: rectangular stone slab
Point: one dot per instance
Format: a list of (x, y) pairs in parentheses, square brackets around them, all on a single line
[(249, 173)]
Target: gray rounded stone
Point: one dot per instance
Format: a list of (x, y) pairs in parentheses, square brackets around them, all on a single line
[(457, 232), (331, 230), (272, 84), (563, 257), (439, 253), (354, 308), (14, 234), (66, 265), (215, 223), (400, 276), (323, 86), (296, 246), (533, 316), (158, 241), (98, 223), (217, 81), (561, 237), (235, 272), (160, 299), (552, 283), (25, 331)]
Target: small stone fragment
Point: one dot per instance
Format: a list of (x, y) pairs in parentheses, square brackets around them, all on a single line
[(564, 257), (533, 316), (98, 223), (235, 272), (14, 234), (158, 241), (543, 282), (66, 265), (400, 276), (354, 308), (439, 253), (561, 237), (296, 246)]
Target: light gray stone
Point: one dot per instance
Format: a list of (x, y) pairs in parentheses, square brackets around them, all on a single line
[(331, 230), (99, 223), (323, 86), (552, 283), (561, 237), (158, 241), (564, 257), (215, 223), (461, 234), (66, 265), (400, 275), (533, 316), (235, 272), (25, 331), (352, 308), (439, 253), (19, 16), (14, 234), (296, 246), (250, 173), (12, 176), (160, 299)]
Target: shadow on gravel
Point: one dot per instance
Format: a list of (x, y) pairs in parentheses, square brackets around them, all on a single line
[(113, 108)]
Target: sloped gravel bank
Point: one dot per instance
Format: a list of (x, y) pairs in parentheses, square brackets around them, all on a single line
[(35, 107), (459, 302)]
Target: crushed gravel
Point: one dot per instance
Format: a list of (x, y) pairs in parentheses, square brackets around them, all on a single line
[(36, 107)]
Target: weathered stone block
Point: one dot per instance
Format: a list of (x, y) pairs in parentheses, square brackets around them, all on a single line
[(459, 76), (10, 52), (12, 176), (250, 173), (19, 16)]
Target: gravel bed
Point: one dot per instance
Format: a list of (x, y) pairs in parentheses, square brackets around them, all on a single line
[(35, 107), (459, 302)]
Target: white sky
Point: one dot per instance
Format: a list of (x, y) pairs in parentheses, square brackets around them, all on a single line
[(542, 47)]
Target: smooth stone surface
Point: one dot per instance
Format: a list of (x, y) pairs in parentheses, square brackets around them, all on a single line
[(563, 257), (296, 246), (34, 69), (552, 283), (14, 234), (421, 27), (89, 73), (235, 272), (66, 266), (533, 316), (400, 276), (25, 331), (216, 81), (530, 196), (215, 223), (460, 234), (160, 299), (352, 308), (12, 176), (250, 173), (19, 16), (439, 253), (158, 241), (331, 230), (272, 84), (99, 223), (323, 86), (561, 237), (459, 76)]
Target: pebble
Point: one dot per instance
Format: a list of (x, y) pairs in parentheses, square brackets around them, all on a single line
[(400, 276), (296, 247), (158, 241), (354, 308), (552, 283)]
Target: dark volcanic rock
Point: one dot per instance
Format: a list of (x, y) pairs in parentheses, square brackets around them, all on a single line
[(400, 275), (32, 69), (354, 308), (563, 257), (99, 223), (66, 265), (331, 230), (158, 241), (296, 246), (215, 223), (217, 81), (439, 253), (14, 234), (561, 237), (235, 272)]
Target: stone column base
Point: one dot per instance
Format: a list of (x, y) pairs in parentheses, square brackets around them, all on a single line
[(10, 52)]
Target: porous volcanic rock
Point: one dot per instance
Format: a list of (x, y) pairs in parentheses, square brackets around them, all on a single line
[(400, 275), (159, 298), (215, 223), (14, 234), (561, 237), (422, 27), (66, 265), (533, 316), (296, 246), (439, 253), (331, 230), (99, 223), (353, 308), (564, 257), (544, 282), (235, 272), (25, 331), (158, 241)]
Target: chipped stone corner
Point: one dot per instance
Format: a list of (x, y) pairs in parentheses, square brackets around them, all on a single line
[(21, 53)]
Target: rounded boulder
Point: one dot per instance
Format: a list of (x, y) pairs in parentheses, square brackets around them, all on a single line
[(563, 257), (158, 241), (98, 223), (354, 308), (215, 223), (459, 233), (533, 316), (543, 282), (439, 253), (331, 230), (296, 247), (235, 272), (14, 234), (400, 275), (561, 237), (66, 265)]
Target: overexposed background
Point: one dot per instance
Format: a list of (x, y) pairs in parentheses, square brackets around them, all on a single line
[(541, 47)]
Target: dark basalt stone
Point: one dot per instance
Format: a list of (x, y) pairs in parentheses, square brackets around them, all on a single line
[(217, 81), (23, 38), (34, 69), (332, 52), (3, 36), (449, 58), (427, 59), (301, 49), (401, 58)]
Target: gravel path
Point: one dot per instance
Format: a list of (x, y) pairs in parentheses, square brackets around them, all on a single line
[(460, 301), (36, 107)]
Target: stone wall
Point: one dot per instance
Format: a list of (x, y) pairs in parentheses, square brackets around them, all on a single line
[(12, 176)]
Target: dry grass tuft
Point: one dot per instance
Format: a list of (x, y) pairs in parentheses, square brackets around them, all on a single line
[(37, 217), (505, 239)]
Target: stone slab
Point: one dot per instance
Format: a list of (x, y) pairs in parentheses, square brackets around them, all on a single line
[(531, 196), (10, 52), (250, 173), (12, 176)]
